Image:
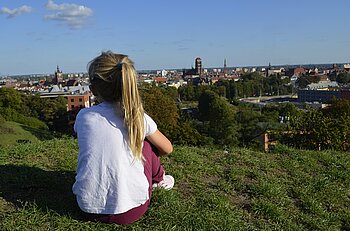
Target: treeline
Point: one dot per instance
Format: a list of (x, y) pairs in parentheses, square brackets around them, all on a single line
[(208, 115), (250, 85), (33, 111), (211, 114), (213, 119)]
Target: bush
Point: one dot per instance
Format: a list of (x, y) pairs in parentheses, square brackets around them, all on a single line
[(10, 114)]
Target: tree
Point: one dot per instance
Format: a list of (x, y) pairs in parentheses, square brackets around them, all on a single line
[(172, 92), (343, 78), (337, 108), (302, 130), (10, 98), (318, 130), (248, 121), (187, 92), (162, 108), (187, 134), (304, 80), (34, 111), (218, 118), (284, 111)]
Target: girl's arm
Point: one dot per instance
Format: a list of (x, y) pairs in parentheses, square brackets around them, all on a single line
[(160, 142)]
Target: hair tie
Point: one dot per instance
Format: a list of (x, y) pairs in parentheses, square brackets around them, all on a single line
[(120, 65)]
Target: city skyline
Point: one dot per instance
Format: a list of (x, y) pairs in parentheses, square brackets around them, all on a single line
[(38, 36)]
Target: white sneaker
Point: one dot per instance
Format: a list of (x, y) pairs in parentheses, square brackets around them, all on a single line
[(167, 183)]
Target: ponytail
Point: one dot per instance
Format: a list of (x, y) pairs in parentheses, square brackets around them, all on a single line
[(133, 109)]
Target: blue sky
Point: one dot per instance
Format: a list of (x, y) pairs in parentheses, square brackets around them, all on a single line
[(38, 35)]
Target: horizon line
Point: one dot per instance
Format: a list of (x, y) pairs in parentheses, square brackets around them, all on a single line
[(230, 67)]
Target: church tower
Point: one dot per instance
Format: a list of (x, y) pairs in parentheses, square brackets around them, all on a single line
[(198, 66), (58, 76), (268, 70)]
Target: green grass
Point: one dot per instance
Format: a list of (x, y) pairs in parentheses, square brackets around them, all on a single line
[(13, 132), (243, 189), (10, 132)]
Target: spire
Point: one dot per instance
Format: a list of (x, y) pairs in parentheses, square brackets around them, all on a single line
[(225, 67)]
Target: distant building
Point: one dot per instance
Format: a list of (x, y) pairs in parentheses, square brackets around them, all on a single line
[(321, 96), (77, 102), (322, 92), (225, 68), (198, 66), (323, 85), (72, 82), (323, 78), (159, 80), (273, 71), (58, 78), (298, 71), (194, 72)]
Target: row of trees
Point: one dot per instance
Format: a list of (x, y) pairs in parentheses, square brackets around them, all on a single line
[(222, 121), (33, 111), (251, 84), (214, 121)]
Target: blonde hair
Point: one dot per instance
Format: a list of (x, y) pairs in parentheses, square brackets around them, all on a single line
[(114, 78)]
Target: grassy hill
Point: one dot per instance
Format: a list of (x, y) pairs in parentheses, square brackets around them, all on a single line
[(11, 132), (240, 189)]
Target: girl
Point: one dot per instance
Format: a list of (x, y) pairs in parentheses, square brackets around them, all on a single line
[(116, 167)]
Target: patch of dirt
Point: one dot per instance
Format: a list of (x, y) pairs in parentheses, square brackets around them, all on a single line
[(185, 189), (8, 130), (211, 180), (240, 200)]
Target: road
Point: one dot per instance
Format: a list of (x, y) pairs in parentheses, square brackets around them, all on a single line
[(265, 99)]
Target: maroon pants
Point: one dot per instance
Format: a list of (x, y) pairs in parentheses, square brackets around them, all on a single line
[(154, 172)]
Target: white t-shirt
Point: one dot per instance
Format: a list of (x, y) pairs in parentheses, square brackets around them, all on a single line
[(109, 179)]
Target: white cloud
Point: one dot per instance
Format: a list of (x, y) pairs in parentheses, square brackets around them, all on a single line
[(16, 11), (68, 14)]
